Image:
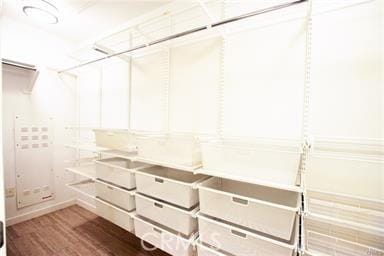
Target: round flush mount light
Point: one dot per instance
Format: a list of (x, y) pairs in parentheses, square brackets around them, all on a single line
[(42, 11)]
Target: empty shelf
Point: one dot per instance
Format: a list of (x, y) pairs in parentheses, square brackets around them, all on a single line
[(85, 187), (86, 147), (357, 212), (321, 244), (119, 153), (334, 231), (249, 179), (169, 165), (88, 171)]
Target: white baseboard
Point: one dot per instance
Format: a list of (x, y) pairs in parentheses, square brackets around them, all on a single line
[(86, 205), (39, 212)]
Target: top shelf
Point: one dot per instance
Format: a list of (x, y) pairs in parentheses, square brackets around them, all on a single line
[(131, 156), (104, 151), (87, 147)]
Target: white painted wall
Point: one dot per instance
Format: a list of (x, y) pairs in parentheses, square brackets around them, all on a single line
[(347, 69), (53, 96)]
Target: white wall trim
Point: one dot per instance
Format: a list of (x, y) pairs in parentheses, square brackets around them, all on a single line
[(86, 205), (39, 212)]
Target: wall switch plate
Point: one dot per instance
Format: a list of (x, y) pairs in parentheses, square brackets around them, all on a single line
[(10, 192)]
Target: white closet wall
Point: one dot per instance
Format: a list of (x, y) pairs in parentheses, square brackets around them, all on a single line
[(53, 96), (263, 92), (194, 86), (347, 73), (115, 92), (149, 74)]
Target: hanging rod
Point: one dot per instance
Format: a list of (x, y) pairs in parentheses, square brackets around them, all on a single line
[(18, 64), (188, 32)]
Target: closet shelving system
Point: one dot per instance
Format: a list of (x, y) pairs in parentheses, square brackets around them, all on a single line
[(214, 195)]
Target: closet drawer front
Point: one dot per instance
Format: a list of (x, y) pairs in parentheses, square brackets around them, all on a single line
[(267, 219), (163, 189), (240, 242), (119, 197), (116, 216), (205, 251), (168, 242), (176, 219), (119, 176), (254, 211)]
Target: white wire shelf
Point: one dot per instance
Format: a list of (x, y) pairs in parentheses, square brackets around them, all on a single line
[(86, 128), (325, 236), (130, 156), (346, 224), (249, 180), (121, 154), (88, 188), (169, 165), (104, 151), (86, 147), (88, 171), (85, 187), (365, 212), (364, 149), (325, 245)]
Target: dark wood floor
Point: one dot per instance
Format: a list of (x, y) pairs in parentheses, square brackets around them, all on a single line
[(72, 231)]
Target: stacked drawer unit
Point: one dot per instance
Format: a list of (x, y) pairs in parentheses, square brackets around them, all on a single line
[(166, 205), (238, 218), (115, 190)]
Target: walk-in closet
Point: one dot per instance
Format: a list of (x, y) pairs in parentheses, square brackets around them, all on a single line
[(192, 128)]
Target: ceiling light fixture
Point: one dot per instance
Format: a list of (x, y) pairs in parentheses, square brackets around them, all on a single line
[(41, 10)]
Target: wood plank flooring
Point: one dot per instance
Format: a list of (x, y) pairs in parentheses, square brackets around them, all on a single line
[(70, 232)]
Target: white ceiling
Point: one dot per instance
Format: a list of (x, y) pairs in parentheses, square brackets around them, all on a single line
[(81, 20)]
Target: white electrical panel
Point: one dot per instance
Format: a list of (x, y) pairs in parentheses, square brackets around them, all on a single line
[(33, 161)]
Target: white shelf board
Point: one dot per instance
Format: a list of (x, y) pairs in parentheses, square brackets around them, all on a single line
[(346, 209), (86, 187), (87, 147), (105, 151), (119, 153), (88, 171), (346, 224), (169, 165), (80, 128), (325, 239), (249, 180)]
